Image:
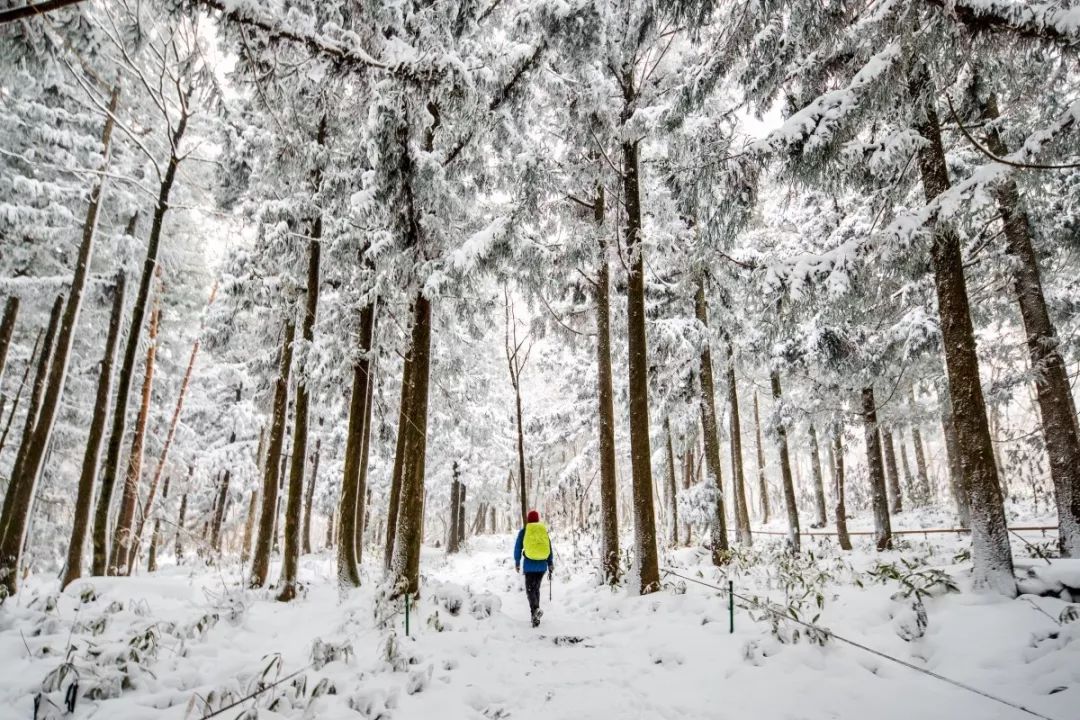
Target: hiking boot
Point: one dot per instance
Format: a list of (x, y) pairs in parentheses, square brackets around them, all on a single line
[(536, 618)]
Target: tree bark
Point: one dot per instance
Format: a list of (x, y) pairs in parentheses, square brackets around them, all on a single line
[(452, 535), (957, 484), (309, 495), (991, 552), (876, 467), (127, 368), (836, 454), (673, 515), (120, 561), (399, 463), (742, 512), (462, 528), (1056, 404), (155, 536), (17, 500), (7, 329), (609, 512), (410, 520), (920, 464), (84, 498), (785, 470), (18, 396), (181, 518), (763, 485), (892, 473), (819, 484), (264, 539), (249, 527), (900, 445), (720, 548), (295, 504), (363, 499)]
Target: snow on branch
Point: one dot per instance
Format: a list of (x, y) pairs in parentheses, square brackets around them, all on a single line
[(1046, 21)]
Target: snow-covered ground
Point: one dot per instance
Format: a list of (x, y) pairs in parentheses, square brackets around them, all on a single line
[(187, 641)]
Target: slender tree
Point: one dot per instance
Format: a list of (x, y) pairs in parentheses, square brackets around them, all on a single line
[(88, 474), (709, 429), (7, 329), (876, 466), (763, 484), (609, 510), (836, 455), (394, 501), (819, 484), (892, 472), (742, 512), (785, 470)]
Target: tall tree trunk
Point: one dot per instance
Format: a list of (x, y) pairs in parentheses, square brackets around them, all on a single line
[(609, 512), (131, 349), (219, 509), (309, 496), (249, 527), (638, 385), (836, 455), (876, 467), (88, 474), (920, 464), (819, 484), (524, 494), (1056, 404), (155, 535), (763, 484), (19, 494), (892, 472), (264, 538), (673, 514), (688, 476), (181, 519), (720, 548), (120, 561), (957, 483), (18, 396), (785, 470), (991, 553), (462, 528), (394, 501), (363, 499), (909, 482), (455, 491), (7, 329), (348, 572), (410, 519), (742, 512), (295, 504), (184, 384)]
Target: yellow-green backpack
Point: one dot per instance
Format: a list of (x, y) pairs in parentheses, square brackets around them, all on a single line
[(536, 545)]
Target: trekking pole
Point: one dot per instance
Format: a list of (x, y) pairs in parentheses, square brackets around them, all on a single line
[(551, 581)]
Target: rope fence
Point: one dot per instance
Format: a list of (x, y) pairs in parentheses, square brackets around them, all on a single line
[(922, 531), (825, 632)]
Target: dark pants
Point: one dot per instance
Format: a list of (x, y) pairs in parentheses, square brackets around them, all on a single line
[(532, 589)]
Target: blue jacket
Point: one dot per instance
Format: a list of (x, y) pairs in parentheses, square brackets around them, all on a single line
[(532, 566)]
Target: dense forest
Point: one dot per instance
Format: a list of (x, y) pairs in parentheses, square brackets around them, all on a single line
[(364, 279)]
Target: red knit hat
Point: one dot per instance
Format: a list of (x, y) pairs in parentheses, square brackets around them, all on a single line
[(533, 516)]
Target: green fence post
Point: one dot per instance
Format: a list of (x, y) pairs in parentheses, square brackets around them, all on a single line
[(731, 605)]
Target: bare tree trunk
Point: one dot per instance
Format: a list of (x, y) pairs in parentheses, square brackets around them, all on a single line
[(354, 481), (785, 470), (249, 527), (363, 509), (720, 548), (876, 467), (410, 520), (957, 484), (19, 494), (991, 553), (637, 352), (7, 329), (763, 484), (120, 560), (181, 519), (892, 473), (462, 528), (309, 496), (455, 493), (88, 474), (295, 503), (394, 501), (688, 477), (155, 536), (819, 484), (909, 481), (609, 513), (836, 455), (673, 515), (152, 492), (920, 464), (1056, 404), (127, 368), (18, 396), (264, 539), (219, 507), (742, 512)]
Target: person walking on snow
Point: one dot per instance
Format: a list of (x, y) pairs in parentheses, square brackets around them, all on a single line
[(534, 545)]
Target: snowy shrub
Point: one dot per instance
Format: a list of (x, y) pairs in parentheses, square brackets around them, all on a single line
[(911, 621), (374, 704), (1069, 614), (323, 653), (484, 606), (419, 680), (914, 580), (434, 622), (324, 687), (199, 628)]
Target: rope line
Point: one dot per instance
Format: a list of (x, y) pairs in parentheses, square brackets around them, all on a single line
[(860, 646)]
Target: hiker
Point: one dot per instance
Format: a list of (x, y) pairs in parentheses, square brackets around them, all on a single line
[(534, 544)]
